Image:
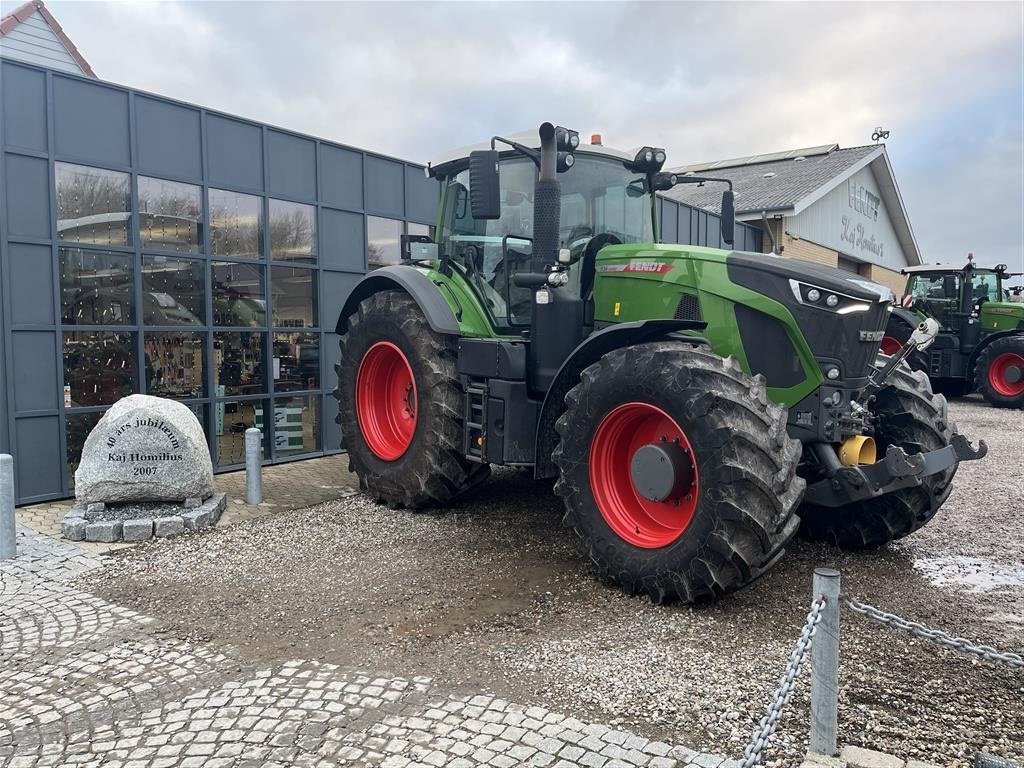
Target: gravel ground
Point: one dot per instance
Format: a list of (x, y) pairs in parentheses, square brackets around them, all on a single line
[(492, 596)]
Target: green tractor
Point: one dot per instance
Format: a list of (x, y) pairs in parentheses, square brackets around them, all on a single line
[(697, 406), (981, 338)]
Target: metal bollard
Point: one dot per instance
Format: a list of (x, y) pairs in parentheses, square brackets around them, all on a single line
[(8, 546), (253, 466), (825, 666)]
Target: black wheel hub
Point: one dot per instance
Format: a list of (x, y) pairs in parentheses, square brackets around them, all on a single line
[(1013, 374), (661, 471)]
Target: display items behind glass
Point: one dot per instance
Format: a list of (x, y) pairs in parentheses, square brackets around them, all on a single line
[(170, 215), (238, 363), (296, 425), (93, 205), (174, 364), (96, 287), (296, 361), (292, 231), (99, 367), (236, 224), (230, 420)]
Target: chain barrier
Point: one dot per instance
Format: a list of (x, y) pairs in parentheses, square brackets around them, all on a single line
[(782, 694), (985, 651)]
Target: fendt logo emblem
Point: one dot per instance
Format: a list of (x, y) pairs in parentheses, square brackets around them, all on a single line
[(648, 267)]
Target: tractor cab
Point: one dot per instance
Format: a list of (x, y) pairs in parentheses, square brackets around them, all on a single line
[(604, 200)]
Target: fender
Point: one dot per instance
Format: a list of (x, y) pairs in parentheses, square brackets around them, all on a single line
[(985, 341), (404, 278), (907, 317), (589, 351)]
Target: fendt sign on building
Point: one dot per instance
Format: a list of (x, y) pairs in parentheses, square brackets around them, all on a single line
[(852, 219)]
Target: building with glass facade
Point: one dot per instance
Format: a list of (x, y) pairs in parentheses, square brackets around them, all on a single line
[(153, 246)]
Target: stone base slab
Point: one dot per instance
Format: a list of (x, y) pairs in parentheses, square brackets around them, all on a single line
[(159, 520)]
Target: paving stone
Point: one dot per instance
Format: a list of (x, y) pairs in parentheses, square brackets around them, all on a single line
[(73, 528), (137, 530), (857, 757), (168, 526), (103, 530)]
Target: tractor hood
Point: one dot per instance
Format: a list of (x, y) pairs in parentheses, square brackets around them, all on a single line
[(1002, 316), (829, 278)]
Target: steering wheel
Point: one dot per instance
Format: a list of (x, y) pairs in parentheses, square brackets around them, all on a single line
[(589, 260)]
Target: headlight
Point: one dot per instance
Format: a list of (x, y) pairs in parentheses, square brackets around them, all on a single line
[(839, 303)]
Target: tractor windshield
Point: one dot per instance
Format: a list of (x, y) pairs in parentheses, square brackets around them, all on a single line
[(599, 197)]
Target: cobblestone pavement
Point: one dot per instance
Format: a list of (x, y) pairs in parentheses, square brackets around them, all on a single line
[(294, 485), (84, 682)]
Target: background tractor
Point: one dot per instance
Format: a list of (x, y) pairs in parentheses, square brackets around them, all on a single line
[(981, 338), (697, 406)]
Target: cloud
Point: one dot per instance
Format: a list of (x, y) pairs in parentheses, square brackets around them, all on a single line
[(706, 81)]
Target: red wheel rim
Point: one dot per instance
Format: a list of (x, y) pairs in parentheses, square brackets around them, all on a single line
[(386, 400), (640, 521), (999, 374), (890, 345)]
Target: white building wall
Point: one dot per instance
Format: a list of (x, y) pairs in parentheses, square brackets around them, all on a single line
[(34, 42), (852, 219)]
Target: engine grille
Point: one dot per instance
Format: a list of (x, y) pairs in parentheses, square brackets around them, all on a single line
[(688, 308)]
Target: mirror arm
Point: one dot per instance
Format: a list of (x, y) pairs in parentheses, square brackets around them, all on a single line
[(530, 153)]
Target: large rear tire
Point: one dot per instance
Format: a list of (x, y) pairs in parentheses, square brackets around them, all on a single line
[(400, 405), (729, 520), (911, 416), (997, 372)]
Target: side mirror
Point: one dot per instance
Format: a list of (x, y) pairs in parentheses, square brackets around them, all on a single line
[(484, 185), (418, 248), (728, 217)]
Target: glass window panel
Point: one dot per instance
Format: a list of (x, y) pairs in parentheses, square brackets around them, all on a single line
[(96, 287), (296, 425), (174, 365), (292, 231), (296, 361), (170, 215), (99, 367), (231, 419), (382, 241), (77, 428), (238, 296), (412, 228), (172, 291), (236, 224), (238, 363), (294, 297), (93, 205)]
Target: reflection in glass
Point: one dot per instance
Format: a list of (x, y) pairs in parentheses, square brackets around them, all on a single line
[(172, 291), (294, 297), (99, 367), (170, 215), (236, 224), (231, 419), (296, 361), (382, 241), (238, 363), (77, 429), (296, 425), (92, 205), (95, 287), (292, 231), (174, 365), (238, 295), (412, 228)]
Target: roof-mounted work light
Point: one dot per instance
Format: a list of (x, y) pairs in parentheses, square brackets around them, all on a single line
[(649, 160), (568, 139)]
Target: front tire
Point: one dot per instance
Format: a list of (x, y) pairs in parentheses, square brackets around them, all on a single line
[(400, 405), (729, 519), (997, 372), (910, 416)]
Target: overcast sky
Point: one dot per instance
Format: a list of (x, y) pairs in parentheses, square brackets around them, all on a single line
[(707, 81)]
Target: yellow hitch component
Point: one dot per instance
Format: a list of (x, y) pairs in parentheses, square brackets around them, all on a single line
[(858, 450)]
